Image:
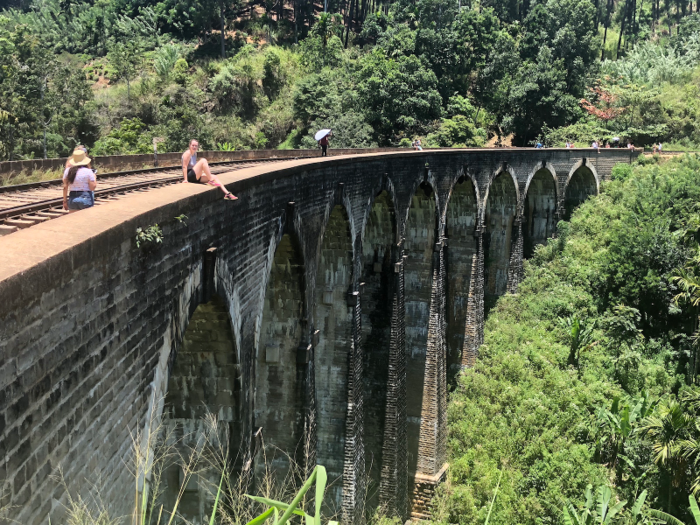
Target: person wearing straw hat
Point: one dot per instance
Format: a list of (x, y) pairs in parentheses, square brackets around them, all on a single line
[(79, 183), (83, 148)]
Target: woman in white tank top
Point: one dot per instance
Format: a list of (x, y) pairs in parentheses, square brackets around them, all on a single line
[(197, 171)]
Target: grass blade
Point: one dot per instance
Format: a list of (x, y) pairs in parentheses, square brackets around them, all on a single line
[(488, 516)]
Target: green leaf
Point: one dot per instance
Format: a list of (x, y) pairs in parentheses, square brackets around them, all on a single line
[(262, 518), (637, 507), (667, 518), (614, 510), (567, 518), (694, 509), (281, 505), (495, 493), (321, 480), (218, 495), (304, 489), (604, 495)]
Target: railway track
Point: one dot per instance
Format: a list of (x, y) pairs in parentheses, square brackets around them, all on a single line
[(25, 205)]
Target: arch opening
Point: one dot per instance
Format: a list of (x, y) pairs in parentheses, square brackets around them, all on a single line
[(419, 247), (460, 226), (204, 381), (333, 318), (377, 274), (279, 381), (501, 209), (582, 185), (540, 212)]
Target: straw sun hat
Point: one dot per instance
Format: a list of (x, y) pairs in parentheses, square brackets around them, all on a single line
[(79, 158)]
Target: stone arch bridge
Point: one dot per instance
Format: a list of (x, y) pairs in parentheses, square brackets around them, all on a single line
[(324, 314)]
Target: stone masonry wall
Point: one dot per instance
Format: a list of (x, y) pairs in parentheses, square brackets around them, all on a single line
[(540, 209), (279, 397), (501, 210), (460, 226), (333, 317), (89, 322), (378, 276)]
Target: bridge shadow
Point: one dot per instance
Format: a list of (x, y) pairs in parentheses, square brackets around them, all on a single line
[(333, 318), (419, 246), (539, 214), (460, 229), (501, 210), (377, 274), (582, 185)]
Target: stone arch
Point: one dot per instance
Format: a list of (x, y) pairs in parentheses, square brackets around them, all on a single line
[(388, 193), (204, 380), (419, 246), (500, 171), (334, 320), (378, 275), (581, 184), (539, 209), (500, 210), (279, 381), (461, 222)]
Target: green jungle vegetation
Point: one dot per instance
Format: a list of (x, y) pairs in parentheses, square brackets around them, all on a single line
[(589, 374), (117, 75)]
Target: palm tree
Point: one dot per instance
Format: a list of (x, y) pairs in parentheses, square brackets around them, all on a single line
[(688, 281), (690, 447), (667, 429)]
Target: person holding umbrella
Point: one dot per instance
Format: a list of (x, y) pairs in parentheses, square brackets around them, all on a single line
[(322, 137)]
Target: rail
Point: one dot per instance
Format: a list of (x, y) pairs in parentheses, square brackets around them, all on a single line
[(25, 205)]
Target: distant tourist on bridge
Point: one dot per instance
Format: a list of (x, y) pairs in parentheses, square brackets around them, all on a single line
[(595, 145), (197, 171), (324, 142), (569, 145), (417, 145), (79, 183)]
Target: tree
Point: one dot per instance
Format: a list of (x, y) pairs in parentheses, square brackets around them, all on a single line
[(399, 96), (666, 429), (125, 58)]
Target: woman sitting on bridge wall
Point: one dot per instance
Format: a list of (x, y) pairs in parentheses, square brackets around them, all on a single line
[(80, 181), (198, 170)]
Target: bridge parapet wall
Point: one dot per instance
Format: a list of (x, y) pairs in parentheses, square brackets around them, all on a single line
[(90, 324)]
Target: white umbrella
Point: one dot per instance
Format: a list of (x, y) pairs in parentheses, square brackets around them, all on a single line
[(322, 133)]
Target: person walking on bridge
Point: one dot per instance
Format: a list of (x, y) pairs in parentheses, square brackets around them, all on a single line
[(197, 171), (324, 145), (79, 183)]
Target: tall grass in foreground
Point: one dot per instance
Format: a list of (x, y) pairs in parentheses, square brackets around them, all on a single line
[(204, 460)]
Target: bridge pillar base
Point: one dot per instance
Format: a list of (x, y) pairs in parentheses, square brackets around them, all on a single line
[(424, 486)]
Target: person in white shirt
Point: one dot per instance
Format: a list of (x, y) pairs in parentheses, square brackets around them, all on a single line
[(79, 183)]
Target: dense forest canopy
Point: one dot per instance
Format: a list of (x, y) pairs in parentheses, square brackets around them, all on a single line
[(115, 74)]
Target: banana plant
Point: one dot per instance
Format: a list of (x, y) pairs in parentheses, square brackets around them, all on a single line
[(600, 514), (319, 477), (672, 520)]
